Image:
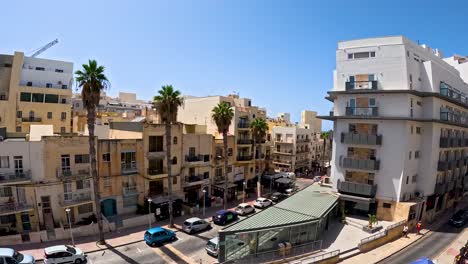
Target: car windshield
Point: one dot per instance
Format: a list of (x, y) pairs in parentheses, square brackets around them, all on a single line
[(71, 250), (187, 223), (18, 256), (211, 244)]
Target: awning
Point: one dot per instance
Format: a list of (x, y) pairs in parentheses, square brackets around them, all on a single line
[(356, 199)]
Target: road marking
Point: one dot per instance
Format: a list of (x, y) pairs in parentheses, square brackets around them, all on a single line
[(139, 250), (179, 254), (163, 255)]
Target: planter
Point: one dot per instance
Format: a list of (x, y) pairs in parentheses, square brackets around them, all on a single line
[(373, 229)]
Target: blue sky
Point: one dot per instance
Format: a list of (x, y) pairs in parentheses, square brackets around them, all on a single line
[(279, 53)]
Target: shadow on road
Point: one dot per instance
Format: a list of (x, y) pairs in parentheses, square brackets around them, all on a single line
[(172, 255), (121, 255)]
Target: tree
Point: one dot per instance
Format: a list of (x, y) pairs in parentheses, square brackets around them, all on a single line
[(327, 135), (92, 81), (259, 128), (167, 104), (222, 115)]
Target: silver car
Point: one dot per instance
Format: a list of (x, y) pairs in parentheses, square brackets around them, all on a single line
[(195, 224), (8, 255)]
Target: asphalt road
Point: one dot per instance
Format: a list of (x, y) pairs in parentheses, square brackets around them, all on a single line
[(429, 246)]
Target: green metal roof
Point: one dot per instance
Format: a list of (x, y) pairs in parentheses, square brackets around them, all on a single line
[(305, 206)]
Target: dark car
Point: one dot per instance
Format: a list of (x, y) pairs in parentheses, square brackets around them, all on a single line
[(278, 197), (223, 217), (459, 219)]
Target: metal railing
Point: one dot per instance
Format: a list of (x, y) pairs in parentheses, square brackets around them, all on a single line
[(244, 158), (9, 177), (361, 85), (156, 171), (31, 119), (69, 174), (360, 164), (362, 111), (196, 178), (129, 168), (243, 125), (361, 139), (13, 207), (67, 199), (130, 190)]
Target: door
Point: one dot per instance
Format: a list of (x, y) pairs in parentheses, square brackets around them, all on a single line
[(67, 191), (47, 212), (109, 207), (26, 222), (65, 164), (21, 194), (18, 165)]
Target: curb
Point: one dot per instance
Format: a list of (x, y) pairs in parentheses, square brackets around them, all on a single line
[(405, 247)]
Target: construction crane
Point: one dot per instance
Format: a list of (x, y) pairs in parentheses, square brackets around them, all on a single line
[(46, 47)]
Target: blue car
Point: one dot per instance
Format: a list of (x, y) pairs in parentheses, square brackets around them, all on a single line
[(159, 235), (223, 217)]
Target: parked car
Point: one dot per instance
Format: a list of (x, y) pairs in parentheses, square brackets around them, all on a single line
[(278, 197), (212, 247), (195, 224), (223, 217), (262, 202), (9, 255), (63, 254), (158, 235), (459, 219), (245, 209)]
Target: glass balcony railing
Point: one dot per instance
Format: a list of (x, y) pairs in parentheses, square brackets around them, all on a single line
[(361, 139), (362, 111), (360, 189), (361, 85), (360, 164)]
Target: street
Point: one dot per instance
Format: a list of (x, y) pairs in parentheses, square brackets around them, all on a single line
[(429, 246)]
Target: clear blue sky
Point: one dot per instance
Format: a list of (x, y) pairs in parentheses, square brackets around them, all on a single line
[(279, 53)]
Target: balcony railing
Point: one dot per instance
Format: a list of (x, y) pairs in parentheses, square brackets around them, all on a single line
[(284, 141), (443, 165), (68, 199), (362, 111), (69, 174), (197, 158), (245, 141), (196, 178), (452, 142), (361, 139), (449, 92), (450, 185), (129, 168), (361, 85), (156, 171), (244, 157), (360, 189), (440, 188), (361, 164), (282, 161), (283, 151), (243, 125), (31, 119), (11, 177), (129, 190), (14, 207), (303, 140)]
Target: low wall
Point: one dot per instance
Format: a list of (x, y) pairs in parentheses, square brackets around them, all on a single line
[(11, 240), (392, 232), (137, 221)]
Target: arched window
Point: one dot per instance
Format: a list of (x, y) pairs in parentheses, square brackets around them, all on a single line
[(174, 160), (174, 141)]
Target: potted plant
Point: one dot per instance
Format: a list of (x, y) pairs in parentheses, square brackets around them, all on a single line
[(372, 226)]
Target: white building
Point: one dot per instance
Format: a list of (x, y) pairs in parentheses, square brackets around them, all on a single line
[(291, 148), (400, 143)]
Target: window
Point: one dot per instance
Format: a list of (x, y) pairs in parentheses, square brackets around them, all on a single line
[(387, 205), (38, 97), (25, 97), (174, 179), (371, 101), (407, 179), (407, 54), (174, 160), (416, 154), (19, 114), (411, 102), (219, 172), (229, 151), (48, 85), (79, 185), (29, 84), (130, 201), (58, 70), (414, 178), (51, 98), (106, 157), (49, 115), (40, 69), (62, 130), (7, 65), (85, 208), (191, 152), (128, 159), (229, 169), (409, 155), (64, 86), (419, 103), (206, 175), (18, 129), (155, 143), (174, 141), (82, 158), (63, 116), (418, 130), (411, 81), (361, 55), (5, 192), (107, 181), (4, 162)]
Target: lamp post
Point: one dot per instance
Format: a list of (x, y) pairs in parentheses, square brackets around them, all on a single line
[(70, 226), (243, 194), (204, 201), (149, 212)]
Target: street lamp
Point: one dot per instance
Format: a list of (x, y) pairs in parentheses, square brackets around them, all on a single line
[(149, 212), (69, 224), (243, 195), (204, 200)]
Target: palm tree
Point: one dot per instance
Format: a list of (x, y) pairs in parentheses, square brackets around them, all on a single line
[(259, 128), (92, 82), (222, 114), (327, 135), (167, 103)]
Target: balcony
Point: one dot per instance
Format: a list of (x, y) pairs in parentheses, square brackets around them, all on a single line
[(361, 85), (194, 160), (284, 162), (156, 171), (360, 164), (72, 174), (288, 152), (196, 179), (129, 168), (450, 186), (451, 117), (31, 119), (156, 153), (362, 111), (129, 190), (360, 189), (14, 207), (244, 141), (303, 140), (440, 188), (465, 181), (299, 151), (450, 93), (15, 177), (284, 141), (445, 142), (244, 158), (243, 125), (75, 198), (361, 139), (444, 165)]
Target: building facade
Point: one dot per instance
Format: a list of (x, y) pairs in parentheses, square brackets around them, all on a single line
[(291, 149), (400, 129), (34, 91)]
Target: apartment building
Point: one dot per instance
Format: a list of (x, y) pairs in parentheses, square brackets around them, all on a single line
[(309, 119), (234, 174), (34, 91), (21, 164), (198, 110), (291, 149), (400, 143)]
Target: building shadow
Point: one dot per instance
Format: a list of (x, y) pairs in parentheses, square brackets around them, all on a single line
[(121, 255)]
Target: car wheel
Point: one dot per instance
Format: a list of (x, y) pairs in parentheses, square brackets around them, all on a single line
[(153, 244), (172, 238), (78, 261)]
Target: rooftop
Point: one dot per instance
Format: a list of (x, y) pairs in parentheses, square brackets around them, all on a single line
[(307, 205)]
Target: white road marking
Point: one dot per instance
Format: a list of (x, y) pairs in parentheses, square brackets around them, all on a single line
[(139, 250)]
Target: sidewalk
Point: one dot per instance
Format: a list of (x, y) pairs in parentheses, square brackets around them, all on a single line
[(117, 238), (394, 247), (448, 255)]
